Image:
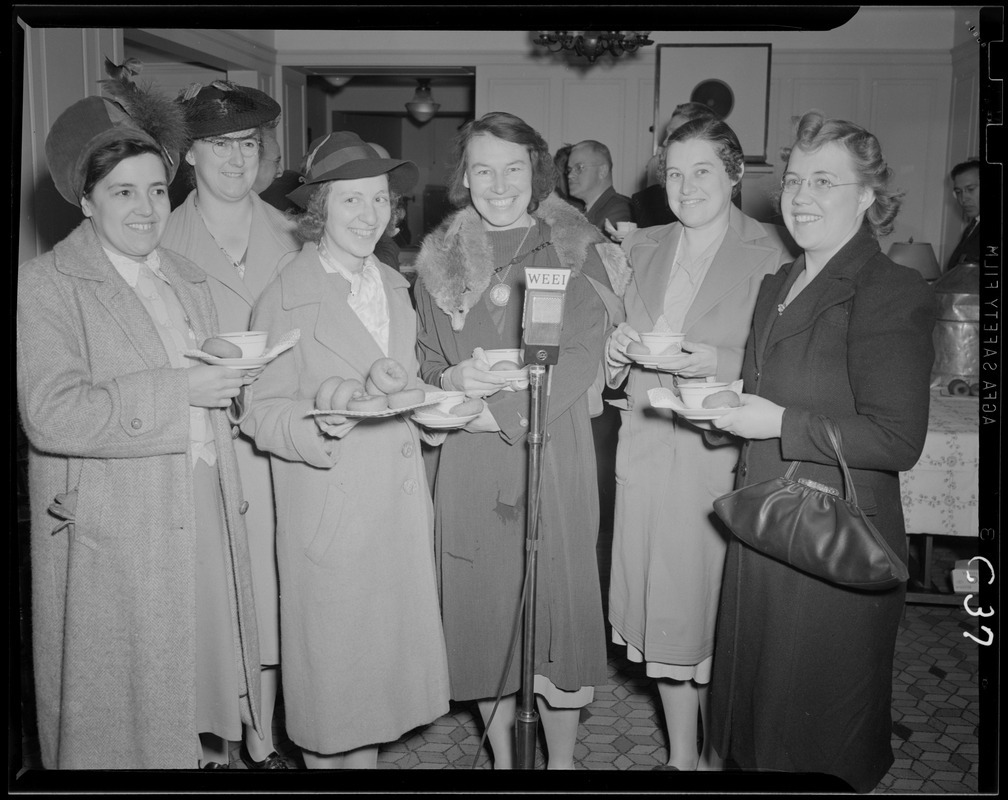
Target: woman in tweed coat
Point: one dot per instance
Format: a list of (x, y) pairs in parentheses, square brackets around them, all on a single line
[(136, 504)]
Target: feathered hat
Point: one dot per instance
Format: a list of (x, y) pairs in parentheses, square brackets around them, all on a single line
[(224, 107), (128, 112)]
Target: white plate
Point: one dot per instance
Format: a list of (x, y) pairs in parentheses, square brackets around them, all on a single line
[(667, 362), (237, 363), (701, 413), (282, 345), (431, 399), (443, 423), (665, 398)]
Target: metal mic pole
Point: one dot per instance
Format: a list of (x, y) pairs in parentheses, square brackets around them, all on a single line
[(527, 719)]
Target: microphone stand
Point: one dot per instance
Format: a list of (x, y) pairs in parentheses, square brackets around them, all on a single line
[(527, 719)]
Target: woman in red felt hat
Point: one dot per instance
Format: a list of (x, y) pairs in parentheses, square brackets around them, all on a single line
[(240, 242), (143, 626), (362, 647)]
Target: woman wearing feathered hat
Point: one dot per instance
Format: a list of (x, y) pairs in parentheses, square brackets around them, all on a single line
[(135, 497), (239, 242), (362, 648), (468, 297)]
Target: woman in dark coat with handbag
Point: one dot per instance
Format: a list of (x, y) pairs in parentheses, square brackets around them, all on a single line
[(803, 667)]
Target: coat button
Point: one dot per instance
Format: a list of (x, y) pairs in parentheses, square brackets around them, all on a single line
[(410, 486), (136, 424), (743, 470), (234, 431), (407, 449), (243, 507), (523, 422)]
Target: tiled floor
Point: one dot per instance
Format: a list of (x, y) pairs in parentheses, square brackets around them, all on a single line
[(935, 714)]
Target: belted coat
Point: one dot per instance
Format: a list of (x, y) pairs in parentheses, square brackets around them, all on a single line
[(112, 515)]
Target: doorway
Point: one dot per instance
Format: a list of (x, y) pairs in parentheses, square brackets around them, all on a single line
[(371, 102)]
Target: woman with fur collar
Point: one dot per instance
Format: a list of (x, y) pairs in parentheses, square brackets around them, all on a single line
[(469, 298)]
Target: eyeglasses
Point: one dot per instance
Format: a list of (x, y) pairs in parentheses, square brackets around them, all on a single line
[(577, 169), (223, 148), (819, 185)]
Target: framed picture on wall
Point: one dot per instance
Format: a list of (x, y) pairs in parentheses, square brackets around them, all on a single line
[(732, 80)]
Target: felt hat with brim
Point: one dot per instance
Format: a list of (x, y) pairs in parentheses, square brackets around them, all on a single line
[(223, 107), (344, 156), (94, 122)]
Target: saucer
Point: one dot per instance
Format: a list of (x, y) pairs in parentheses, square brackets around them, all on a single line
[(669, 362), (443, 423), (432, 398)]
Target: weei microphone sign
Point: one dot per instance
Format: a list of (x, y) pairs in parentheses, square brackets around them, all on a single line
[(542, 316)]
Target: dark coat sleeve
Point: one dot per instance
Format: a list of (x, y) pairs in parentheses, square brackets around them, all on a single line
[(889, 359)]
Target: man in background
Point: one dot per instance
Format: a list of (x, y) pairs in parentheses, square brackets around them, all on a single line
[(273, 183), (966, 188), (589, 176)]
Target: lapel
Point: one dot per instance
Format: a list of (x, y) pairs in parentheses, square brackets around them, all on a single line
[(736, 259), (206, 253), (651, 261), (81, 256), (266, 249), (402, 320), (337, 328), (832, 286), (772, 291)]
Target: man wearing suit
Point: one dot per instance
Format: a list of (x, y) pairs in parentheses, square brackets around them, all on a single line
[(966, 188), (589, 176)]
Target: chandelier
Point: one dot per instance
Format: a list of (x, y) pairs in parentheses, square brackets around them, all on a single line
[(592, 44)]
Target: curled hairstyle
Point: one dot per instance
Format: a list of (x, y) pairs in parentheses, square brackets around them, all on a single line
[(511, 129), (106, 158), (813, 130), (721, 137), (690, 112), (311, 223)]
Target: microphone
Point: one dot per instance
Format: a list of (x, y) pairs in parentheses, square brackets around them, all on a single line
[(542, 315)]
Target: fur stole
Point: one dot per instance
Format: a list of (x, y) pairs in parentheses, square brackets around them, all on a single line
[(456, 260)]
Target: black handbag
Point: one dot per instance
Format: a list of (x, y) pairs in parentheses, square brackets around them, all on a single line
[(809, 526)]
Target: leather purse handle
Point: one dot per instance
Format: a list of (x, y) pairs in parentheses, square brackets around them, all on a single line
[(836, 439)]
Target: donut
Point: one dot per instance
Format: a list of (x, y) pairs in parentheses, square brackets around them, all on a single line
[(471, 405), (344, 392), (726, 398), (407, 397), (637, 349), (221, 348), (502, 366), (370, 387), (957, 386), (324, 395), (367, 402), (388, 375)]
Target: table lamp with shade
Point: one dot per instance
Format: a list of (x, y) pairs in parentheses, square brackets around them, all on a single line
[(916, 255)]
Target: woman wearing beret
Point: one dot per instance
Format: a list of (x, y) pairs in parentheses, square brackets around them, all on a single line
[(239, 242), (363, 653), (135, 496), (802, 666)]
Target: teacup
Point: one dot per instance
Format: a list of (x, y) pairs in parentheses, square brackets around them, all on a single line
[(495, 356), (252, 343), (693, 394), (663, 343)]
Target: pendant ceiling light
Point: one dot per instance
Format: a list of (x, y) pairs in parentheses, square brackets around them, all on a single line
[(422, 107)]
